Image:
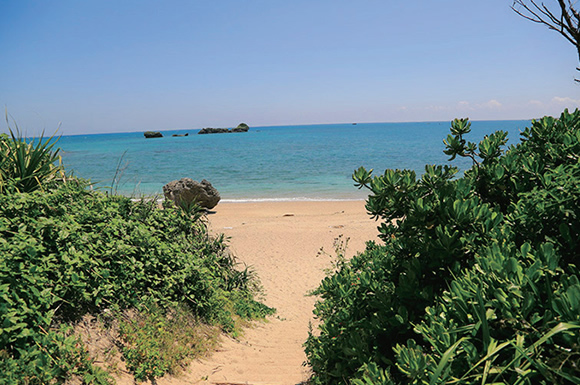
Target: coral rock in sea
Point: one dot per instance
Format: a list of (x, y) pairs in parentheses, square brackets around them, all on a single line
[(242, 127), (186, 191), (153, 134), (210, 130)]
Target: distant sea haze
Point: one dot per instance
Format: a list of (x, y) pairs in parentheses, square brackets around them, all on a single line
[(311, 162)]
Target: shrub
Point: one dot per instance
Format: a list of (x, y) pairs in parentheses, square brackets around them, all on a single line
[(27, 165), (476, 279), (66, 251)]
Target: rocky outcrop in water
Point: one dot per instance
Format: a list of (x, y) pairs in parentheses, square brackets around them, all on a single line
[(186, 191), (152, 134), (242, 127), (210, 130), (186, 134)]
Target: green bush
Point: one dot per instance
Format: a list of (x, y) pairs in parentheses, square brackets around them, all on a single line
[(476, 280), (66, 251)]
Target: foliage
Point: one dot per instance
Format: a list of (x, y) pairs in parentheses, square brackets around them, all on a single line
[(66, 251), (476, 281), (53, 355), (177, 336), (26, 166)]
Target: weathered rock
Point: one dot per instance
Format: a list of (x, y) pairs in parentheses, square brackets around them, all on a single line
[(186, 190), (210, 130), (152, 134), (242, 127), (186, 134)]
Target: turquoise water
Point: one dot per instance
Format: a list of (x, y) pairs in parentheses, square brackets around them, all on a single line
[(267, 163)]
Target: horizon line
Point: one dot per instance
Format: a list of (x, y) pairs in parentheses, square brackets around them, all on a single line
[(299, 125)]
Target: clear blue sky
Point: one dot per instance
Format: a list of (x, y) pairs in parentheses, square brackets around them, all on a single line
[(115, 66)]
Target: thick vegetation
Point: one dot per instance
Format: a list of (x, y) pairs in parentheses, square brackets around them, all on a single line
[(66, 251), (477, 279)]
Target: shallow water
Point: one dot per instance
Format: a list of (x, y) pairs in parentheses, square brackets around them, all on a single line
[(313, 162)]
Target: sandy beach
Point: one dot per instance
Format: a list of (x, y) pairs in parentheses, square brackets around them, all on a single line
[(282, 242)]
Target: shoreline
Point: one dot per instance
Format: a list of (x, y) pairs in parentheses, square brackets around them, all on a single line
[(297, 199), (161, 199)]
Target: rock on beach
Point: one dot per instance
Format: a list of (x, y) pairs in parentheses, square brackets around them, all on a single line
[(186, 191)]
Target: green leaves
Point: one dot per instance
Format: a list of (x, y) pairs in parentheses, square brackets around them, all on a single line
[(27, 165), (69, 251), (490, 148), (455, 144), (477, 279), (155, 343), (362, 177)]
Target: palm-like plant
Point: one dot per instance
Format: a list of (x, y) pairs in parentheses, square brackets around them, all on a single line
[(26, 166)]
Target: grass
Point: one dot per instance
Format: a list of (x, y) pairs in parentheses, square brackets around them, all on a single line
[(155, 342)]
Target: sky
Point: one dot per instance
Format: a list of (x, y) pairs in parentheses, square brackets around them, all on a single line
[(98, 66)]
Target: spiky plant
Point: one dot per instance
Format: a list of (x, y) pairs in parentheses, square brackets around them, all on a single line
[(27, 165)]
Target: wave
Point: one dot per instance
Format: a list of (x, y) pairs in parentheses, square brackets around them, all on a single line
[(297, 199), (258, 200)]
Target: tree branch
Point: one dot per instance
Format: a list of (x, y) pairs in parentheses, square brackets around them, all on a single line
[(542, 15), (567, 24)]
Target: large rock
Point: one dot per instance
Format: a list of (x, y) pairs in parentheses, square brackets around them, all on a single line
[(153, 134), (210, 130), (186, 190), (242, 127)]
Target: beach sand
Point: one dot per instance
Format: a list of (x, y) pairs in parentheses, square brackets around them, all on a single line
[(281, 241)]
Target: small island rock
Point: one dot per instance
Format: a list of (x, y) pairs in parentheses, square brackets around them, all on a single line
[(186, 191), (210, 130), (152, 134), (242, 127)]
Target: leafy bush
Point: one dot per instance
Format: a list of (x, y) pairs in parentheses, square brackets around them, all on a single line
[(66, 251), (476, 280)]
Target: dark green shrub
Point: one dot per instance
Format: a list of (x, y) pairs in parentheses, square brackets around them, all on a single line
[(512, 318), (476, 280), (67, 251)]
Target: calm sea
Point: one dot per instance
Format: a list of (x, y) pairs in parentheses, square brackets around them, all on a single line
[(313, 162)]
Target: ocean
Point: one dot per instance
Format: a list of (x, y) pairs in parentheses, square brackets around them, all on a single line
[(308, 162)]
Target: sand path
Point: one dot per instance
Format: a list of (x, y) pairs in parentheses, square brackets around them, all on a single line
[(280, 240)]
